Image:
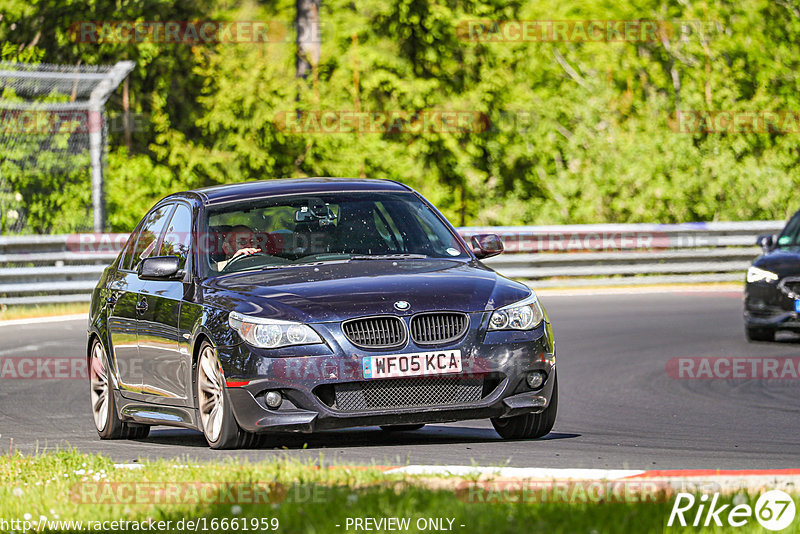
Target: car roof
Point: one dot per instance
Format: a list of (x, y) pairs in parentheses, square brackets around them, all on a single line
[(286, 186)]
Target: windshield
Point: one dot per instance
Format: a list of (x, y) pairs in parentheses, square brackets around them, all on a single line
[(790, 236), (303, 229)]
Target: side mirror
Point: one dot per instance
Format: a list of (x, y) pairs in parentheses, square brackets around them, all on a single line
[(160, 268), (486, 245), (766, 242)]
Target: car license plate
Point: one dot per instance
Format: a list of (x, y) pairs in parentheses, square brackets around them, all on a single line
[(417, 364), (797, 306)]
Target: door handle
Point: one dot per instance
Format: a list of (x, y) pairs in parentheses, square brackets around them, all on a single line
[(141, 306)]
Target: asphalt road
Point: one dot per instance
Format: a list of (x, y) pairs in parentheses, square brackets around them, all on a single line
[(618, 407)]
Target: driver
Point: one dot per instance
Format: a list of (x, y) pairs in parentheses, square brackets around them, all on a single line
[(238, 242)]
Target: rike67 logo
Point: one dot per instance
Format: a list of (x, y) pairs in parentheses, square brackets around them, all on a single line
[(774, 510)]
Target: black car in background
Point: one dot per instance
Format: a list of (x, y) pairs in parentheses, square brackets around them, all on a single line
[(302, 305), (772, 291)]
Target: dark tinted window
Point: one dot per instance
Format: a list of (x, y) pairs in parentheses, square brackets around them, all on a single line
[(178, 235), (125, 262), (151, 231), (791, 234)]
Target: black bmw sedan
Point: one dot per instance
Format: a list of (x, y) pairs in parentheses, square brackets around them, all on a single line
[(304, 305), (772, 291)]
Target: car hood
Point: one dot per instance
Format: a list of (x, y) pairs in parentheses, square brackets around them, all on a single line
[(339, 291), (783, 262)]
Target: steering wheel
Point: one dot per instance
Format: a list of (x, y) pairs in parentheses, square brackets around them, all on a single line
[(238, 260)]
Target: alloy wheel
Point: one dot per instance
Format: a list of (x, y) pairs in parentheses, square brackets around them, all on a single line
[(99, 387), (210, 394)]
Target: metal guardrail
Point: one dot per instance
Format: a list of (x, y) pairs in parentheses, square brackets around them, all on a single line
[(601, 255), (65, 268), (37, 269)]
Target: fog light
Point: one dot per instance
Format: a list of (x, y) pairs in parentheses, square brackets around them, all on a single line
[(273, 399), (535, 379)]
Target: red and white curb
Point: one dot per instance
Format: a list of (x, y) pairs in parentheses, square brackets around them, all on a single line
[(726, 480), (681, 480), (678, 479), (516, 472)]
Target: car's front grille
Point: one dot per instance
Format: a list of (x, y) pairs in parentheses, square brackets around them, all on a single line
[(407, 393), (438, 327), (380, 332)]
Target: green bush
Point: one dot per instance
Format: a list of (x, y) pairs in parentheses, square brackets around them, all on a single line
[(580, 131)]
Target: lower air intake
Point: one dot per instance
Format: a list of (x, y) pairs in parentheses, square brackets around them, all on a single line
[(407, 393)]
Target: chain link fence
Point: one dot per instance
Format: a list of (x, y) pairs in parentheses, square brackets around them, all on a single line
[(53, 139)]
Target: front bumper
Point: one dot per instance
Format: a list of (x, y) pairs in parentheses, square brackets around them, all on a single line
[(498, 361), (772, 305)]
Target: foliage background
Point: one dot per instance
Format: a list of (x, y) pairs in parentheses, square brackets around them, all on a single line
[(580, 131)]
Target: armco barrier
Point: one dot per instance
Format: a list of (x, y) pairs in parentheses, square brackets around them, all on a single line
[(65, 268)]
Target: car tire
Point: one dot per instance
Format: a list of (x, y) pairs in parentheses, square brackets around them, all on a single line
[(759, 334), (529, 425), (215, 415), (401, 428), (104, 406)]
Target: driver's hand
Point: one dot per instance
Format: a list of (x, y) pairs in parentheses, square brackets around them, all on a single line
[(245, 252)]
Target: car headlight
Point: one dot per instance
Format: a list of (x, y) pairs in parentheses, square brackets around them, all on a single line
[(754, 274), (523, 315), (271, 333)]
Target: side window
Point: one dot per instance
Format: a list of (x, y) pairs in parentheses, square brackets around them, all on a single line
[(178, 235), (125, 262), (151, 232)]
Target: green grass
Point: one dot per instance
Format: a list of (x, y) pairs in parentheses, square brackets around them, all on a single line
[(301, 496)]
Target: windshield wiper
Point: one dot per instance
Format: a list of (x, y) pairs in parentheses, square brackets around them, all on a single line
[(304, 264), (388, 257)]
